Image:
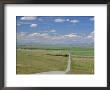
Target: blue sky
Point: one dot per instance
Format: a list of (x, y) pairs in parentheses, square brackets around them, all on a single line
[(55, 29)]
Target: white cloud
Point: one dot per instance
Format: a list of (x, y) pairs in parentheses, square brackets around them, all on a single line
[(48, 37), (59, 20), (71, 35), (92, 19), (34, 34), (21, 35), (28, 18), (33, 25), (74, 21), (45, 36), (91, 36), (52, 30), (67, 19)]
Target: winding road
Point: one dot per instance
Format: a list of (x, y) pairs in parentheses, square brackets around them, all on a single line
[(60, 72)]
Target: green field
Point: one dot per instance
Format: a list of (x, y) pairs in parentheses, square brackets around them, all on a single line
[(36, 59)]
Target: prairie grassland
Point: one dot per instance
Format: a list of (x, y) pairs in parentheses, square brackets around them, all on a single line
[(82, 66), (32, 60)]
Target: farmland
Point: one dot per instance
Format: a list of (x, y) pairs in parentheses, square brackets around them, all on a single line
[(32, 59)]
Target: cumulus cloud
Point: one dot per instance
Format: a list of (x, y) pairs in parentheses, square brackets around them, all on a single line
[(21, 35), (53, 38), (28, 18), (46, 36), (33, 25), (71, 35), (91, 36), (74, 21), (34, 34), (59, 20), (52, 30), (67, 19), (31, 36)]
